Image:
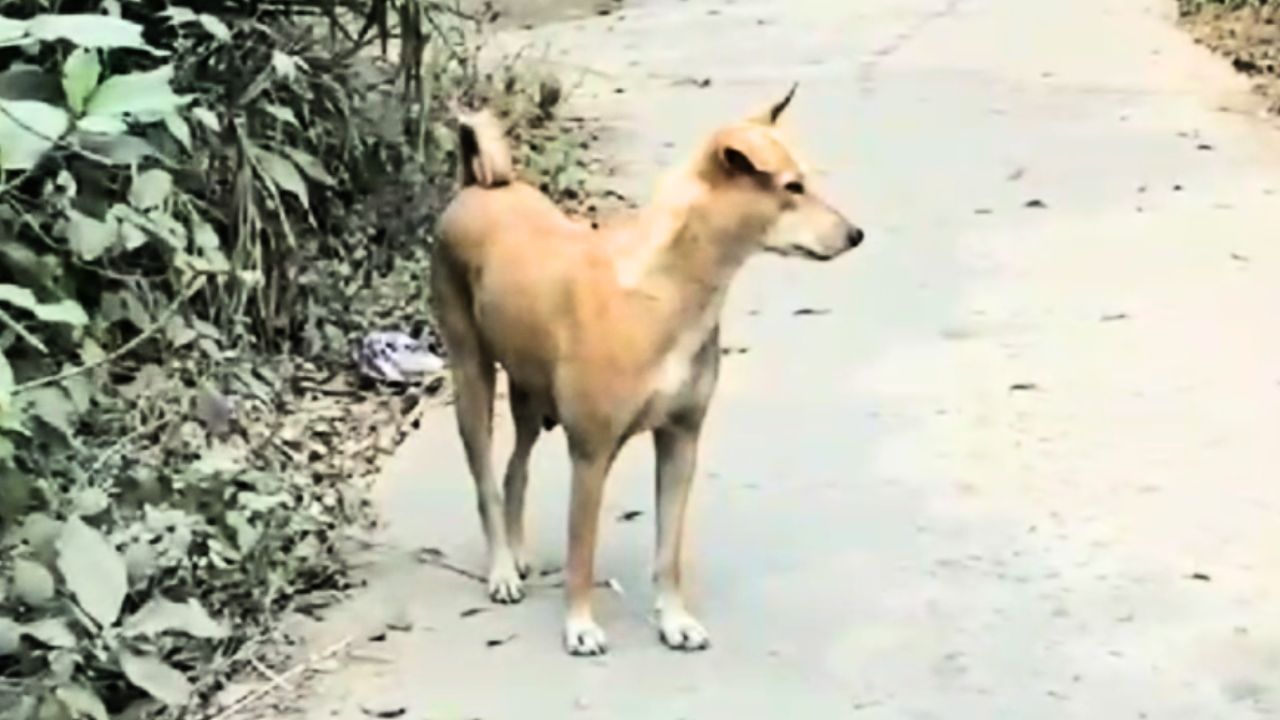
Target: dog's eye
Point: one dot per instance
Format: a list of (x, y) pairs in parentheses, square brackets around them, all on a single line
[(795, 187)]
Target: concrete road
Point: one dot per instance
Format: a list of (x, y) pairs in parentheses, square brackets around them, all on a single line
[(1020, 463)]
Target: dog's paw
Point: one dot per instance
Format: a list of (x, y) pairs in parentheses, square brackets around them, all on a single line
[(584, 638), (681, 631), (505, 585)]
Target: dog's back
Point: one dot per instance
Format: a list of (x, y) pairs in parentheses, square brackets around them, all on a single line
[(498, 232)]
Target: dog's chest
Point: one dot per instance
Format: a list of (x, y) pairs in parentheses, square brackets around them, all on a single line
[(676, 369)]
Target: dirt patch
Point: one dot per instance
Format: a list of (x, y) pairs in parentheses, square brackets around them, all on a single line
[(529, 13), (1248, 37)]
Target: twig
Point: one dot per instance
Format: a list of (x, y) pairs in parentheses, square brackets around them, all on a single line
[(268, 673), (118, 352), (120, 444), (17, 180), (446, 565), (7, 319), (57, 141), (282, 679)]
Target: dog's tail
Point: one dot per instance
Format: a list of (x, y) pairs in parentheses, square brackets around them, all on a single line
[(484, 155)]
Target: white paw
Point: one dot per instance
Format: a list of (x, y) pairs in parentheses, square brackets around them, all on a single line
[(584, 637), (505, 586), (681, 631), (523, 567)]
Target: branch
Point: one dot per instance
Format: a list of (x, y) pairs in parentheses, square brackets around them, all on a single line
[(56, 141), (124, 349)]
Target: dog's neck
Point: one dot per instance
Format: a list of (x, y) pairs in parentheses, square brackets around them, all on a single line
[(690, 247)]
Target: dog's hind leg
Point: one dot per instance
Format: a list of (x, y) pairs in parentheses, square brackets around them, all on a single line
[(473, 378), (526, 415), (676, 447)]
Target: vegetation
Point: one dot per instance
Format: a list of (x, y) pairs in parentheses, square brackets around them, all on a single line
[(200, 208), (1247, 32), (1193, 6)]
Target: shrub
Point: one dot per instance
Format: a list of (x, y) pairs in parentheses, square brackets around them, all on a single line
[(200, 206)]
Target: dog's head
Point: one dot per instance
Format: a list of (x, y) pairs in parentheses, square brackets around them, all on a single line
[(749, 164)]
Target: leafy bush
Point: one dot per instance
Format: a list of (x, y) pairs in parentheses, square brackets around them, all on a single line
[(1191, 7), (199, 208)]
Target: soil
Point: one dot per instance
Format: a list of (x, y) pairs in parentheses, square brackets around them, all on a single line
[(530, 13)]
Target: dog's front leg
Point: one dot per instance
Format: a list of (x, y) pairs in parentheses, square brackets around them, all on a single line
[(676, 448), (582, 636)]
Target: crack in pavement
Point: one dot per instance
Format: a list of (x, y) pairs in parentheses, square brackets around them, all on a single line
[(867, 69)]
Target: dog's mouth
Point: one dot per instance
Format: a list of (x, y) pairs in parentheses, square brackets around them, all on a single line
[(807, 253)]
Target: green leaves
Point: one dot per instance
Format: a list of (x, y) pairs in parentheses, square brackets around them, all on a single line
[(90, 237), (7, 385), (52, 632), (210, 23), (158, 678), (93, 571), (28, 129), (10, 636), (32, 583), (165, 616), (81, 702), (310, 165), (88, 30), (281, 173), (12, 32), (146, 96), (80, 75), (67, 312), (150, 189)]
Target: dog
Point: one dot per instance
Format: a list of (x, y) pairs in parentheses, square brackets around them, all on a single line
[(609, 332)]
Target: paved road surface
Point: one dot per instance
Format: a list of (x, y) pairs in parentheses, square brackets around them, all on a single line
[(1023, 465)]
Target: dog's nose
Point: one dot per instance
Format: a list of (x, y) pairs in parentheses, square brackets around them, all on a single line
[(855, 237)]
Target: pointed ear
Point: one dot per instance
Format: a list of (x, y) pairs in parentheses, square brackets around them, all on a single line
[(770, 116)]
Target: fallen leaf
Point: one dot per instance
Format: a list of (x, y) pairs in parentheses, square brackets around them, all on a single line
[(472, 612), (1239, 258), (630, 515), (1115, 316), (499, 642), (1202, 577), (812, 311), (1036, 204), (693, 81), (1023, 386), (430, 554)]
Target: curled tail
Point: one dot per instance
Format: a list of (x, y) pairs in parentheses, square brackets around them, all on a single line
[(485, 156)]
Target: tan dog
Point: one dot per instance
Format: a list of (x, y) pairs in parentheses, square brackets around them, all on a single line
[(609, 332)]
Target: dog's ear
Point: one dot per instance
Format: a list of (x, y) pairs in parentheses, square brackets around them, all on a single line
[(770, 116), (736, 162), (745, 151)]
